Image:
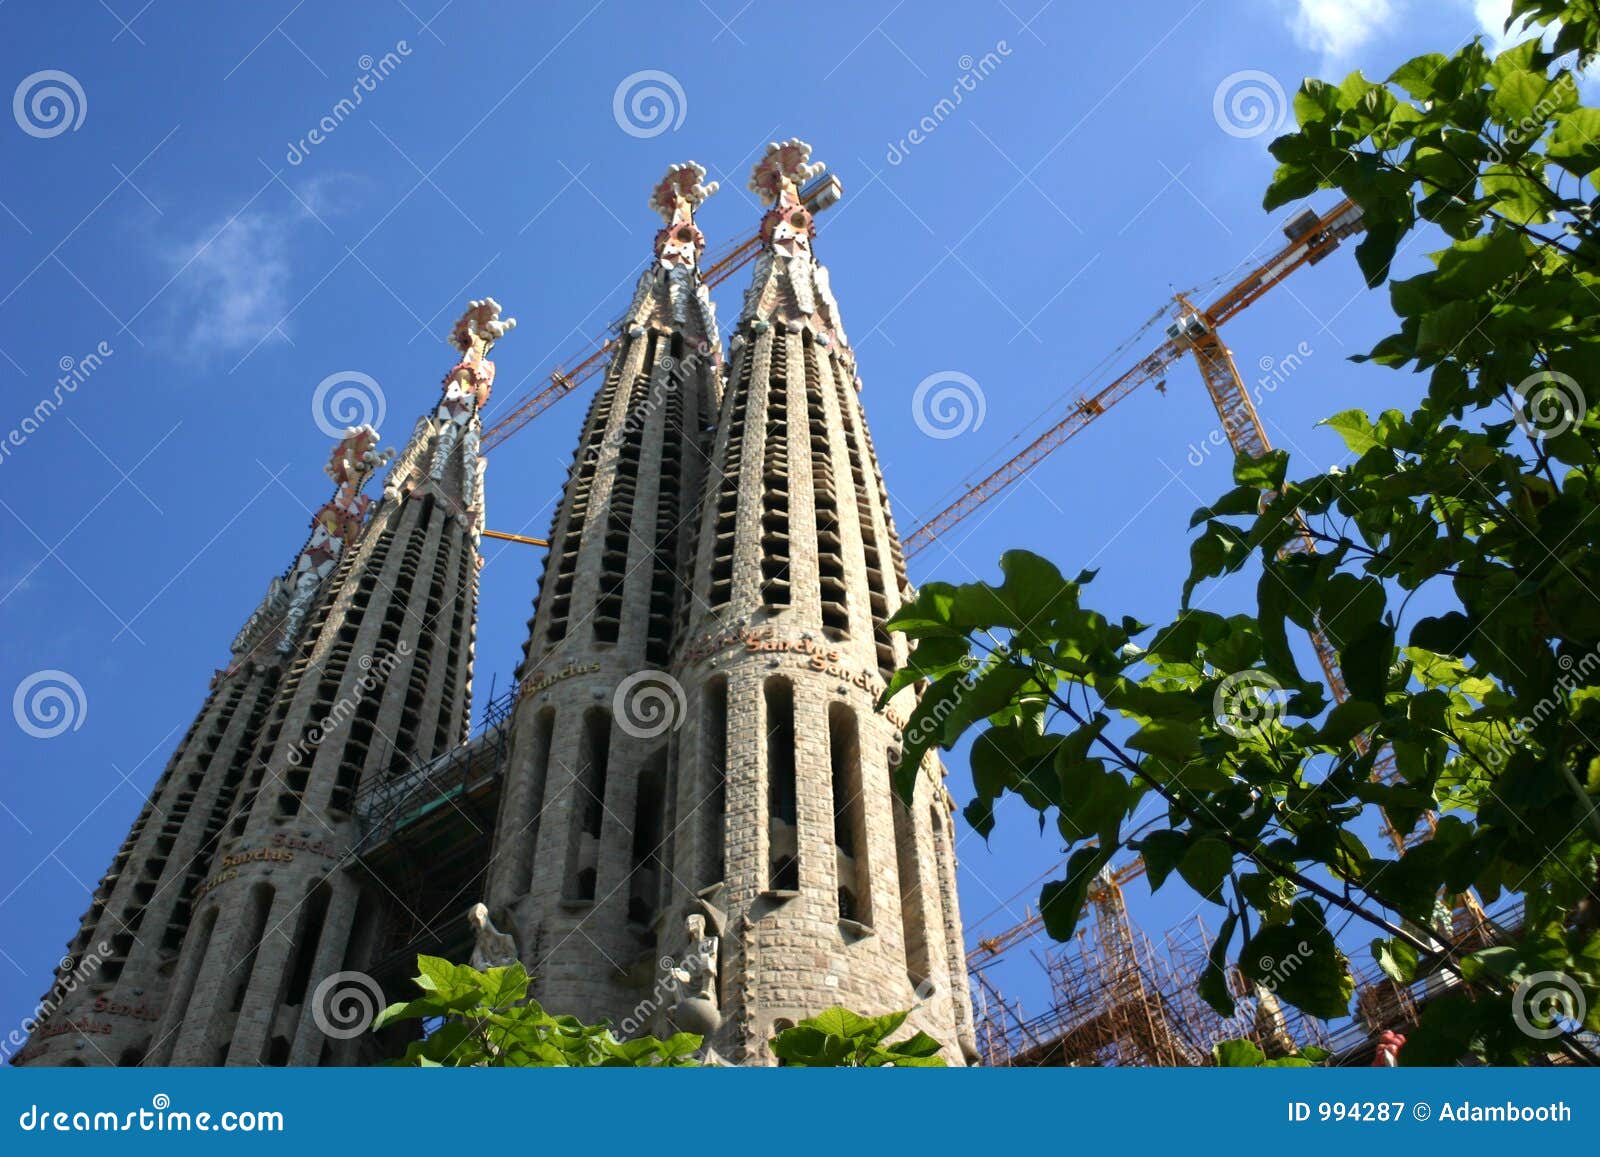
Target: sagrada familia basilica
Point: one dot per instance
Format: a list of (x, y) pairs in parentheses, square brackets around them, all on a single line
[(680, 818)]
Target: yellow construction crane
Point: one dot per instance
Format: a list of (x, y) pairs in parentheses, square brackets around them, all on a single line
[(1311, 238)]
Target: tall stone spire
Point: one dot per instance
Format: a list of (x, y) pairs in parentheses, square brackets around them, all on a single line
[(826, 888), (377, 684), (578, 868), (114, 981)]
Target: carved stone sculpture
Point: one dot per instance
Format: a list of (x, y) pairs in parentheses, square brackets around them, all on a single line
[(697, 1009), (491, 948)]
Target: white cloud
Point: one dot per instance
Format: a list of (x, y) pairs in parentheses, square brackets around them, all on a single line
[(1491, 16), (1337, 28), (231, 287)]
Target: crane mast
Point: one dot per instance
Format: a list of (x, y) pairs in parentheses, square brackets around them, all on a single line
[(1311, 238)]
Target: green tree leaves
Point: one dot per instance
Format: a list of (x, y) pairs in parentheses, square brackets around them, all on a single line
[(1454, 575), (487, 1018), (839, 1038)]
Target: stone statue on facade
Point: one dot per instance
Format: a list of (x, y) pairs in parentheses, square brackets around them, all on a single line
[(491, 948), (695, 971)]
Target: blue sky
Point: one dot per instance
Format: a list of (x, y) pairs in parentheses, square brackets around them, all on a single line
[(187, 224)]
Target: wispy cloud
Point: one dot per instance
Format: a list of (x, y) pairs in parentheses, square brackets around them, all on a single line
[(1337, 28), (233, 279)]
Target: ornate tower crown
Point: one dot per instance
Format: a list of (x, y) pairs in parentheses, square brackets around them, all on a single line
[(676, 197), (787, 228), (474, 334)]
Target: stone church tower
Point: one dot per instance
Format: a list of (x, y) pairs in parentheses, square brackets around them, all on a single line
[(579, 849), (378, 685), (684, 818), (699, 830), (128, 942)]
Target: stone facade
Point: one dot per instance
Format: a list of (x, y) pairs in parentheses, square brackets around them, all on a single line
[(695, 825), (743, 773)]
